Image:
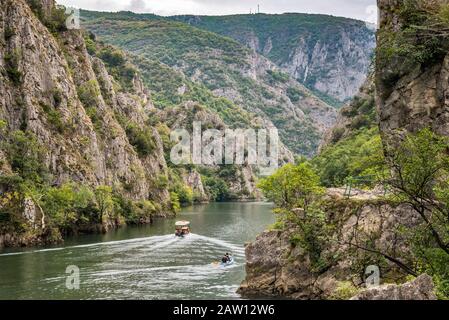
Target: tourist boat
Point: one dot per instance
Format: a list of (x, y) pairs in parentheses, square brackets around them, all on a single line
[(182, 228)]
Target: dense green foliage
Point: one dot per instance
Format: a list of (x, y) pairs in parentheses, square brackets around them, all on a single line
[(216, 188), (293, 188), (180, 63), (420, 171), (355, 148), (55, 21), (164, 82), (141, 139), (359, 156), (422, 39), (66, 208)]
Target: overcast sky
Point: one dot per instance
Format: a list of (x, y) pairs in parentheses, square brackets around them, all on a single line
[(359, 9)]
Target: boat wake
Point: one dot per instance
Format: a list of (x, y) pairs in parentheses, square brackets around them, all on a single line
[(142, 268), (148, 244)]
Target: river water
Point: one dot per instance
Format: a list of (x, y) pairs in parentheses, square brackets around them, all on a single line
[(146, 262)]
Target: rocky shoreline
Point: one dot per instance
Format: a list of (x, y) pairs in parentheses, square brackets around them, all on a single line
[(277, 266)]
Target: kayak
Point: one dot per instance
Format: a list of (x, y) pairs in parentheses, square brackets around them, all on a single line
[(221, 264)]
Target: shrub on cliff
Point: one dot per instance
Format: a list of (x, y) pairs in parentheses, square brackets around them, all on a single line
[(141, 139), (68, 205), (216, 188), (420, 171), (88, 93), (26, 156), (55, 20), (423, 38), (296, 191), (358, 155), (12, 67)]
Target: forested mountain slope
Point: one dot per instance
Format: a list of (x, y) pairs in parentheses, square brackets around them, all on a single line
[(221, 65), (385, 166), (82, 146), (330, 55)]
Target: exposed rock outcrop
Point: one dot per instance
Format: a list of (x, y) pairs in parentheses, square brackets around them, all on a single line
[(422, 288), (241, 180), (277, 266), (328, 54), (410, 97), (255, 88), (345, 67), (193, 180), (52, 88), (359, 113)]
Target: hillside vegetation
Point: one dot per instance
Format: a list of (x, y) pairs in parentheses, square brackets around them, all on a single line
[(82, 146), (391, 145), (217, 72), (330, 55)]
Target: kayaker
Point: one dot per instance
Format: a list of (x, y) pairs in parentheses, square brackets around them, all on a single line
[(225, 258)]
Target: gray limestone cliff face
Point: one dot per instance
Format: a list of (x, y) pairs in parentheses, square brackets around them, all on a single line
[(193, 180), (338, 68), (55, 70), (419, 95), (422, 288), (242, 181), (327, 54), (362, 109), (276, 266)]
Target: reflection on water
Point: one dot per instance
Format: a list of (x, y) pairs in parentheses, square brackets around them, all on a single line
[(146, 262)]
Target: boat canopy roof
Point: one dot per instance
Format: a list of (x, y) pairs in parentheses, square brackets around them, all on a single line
[(182, 223)]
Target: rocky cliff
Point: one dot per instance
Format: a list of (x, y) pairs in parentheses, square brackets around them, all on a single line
[(205, 63), (277, 265), (329, 55), (56, 74), (55, 93), (422, 288), (411, 80), (360, 113), (83, 147), (240, 179), (410, 90)]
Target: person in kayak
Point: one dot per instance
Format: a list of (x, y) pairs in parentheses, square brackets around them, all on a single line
[(226, 258)]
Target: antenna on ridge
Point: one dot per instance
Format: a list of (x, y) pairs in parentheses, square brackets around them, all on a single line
[(258, 8)]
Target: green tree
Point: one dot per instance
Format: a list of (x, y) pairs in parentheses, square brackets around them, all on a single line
[(296, 191), (359, 155), (420, 171), (216, 188), (105, 202), (175, 204), (64, 205), (292, 186), (26, 156)]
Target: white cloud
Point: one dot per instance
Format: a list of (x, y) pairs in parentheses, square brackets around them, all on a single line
[(359, 9), (137, 6)]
